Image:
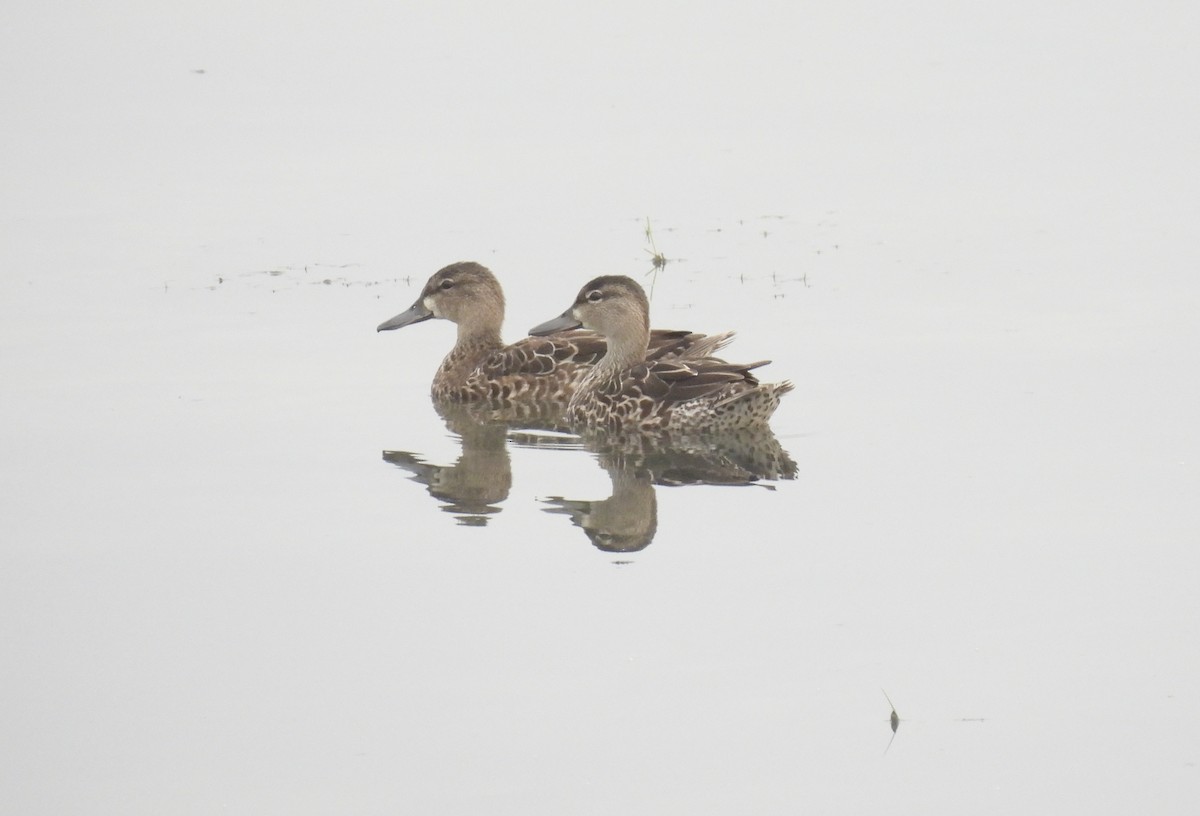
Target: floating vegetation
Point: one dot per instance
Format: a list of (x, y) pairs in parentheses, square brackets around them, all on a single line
[(894, 720), (658, 261), (313, 274)]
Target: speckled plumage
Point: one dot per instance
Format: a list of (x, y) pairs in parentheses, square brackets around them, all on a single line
[(630, 390), (535, 369)]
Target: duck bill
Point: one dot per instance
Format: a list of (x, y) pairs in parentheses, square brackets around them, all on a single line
[(415, 314), (563, 322)]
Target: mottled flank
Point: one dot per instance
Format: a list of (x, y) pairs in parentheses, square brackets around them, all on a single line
[(631, 390), (545, 370)]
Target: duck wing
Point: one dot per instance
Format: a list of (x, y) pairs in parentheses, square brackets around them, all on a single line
[(581, 347), (688, 379), (535, 356), (672, 344)]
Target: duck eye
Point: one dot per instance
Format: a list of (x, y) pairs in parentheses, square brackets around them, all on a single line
[(446, 284), (594, 296)]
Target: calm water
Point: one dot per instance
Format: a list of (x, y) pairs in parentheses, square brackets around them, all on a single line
[(246, 566)]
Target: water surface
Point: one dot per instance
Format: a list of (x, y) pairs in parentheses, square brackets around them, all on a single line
[(232, 580)]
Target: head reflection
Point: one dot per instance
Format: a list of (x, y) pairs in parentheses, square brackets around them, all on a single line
[(479, 480), (625, 521)]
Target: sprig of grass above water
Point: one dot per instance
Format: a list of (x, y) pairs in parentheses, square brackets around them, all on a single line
[(658, 261)]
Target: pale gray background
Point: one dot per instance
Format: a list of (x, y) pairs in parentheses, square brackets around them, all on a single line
[(965, 230)]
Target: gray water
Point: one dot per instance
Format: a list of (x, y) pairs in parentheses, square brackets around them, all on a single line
[(967, 234)]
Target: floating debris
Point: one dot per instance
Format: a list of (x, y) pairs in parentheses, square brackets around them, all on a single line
[(894, 720), (658, 261)]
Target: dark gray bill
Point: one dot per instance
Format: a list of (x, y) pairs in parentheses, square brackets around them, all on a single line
[(415, 314), (561, 323)]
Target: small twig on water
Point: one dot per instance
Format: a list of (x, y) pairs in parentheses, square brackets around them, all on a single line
[(895, 721)]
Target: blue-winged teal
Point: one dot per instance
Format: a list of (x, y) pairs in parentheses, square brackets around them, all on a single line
[(628, 391), (540, 369)]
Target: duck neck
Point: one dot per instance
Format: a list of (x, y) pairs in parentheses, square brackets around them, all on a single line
[(482, 335), (474, 343), (627, 346)]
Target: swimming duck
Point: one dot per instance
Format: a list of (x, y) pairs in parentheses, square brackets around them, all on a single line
[(542, 369), (629, 391)]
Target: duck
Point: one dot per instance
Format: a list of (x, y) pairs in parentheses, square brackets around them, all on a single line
[(544, 370), (630, 391)]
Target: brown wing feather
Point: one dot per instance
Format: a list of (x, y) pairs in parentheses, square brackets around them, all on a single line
[(670, 344), (580, 347), (684, 380), (542, 355), (534, 356)]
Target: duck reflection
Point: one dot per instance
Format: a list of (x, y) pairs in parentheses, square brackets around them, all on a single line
[(479, 480), (476, 485), (624, 522), (627, 520)]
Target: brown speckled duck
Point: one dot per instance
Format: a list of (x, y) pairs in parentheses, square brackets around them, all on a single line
[(630, 391), (537, 369)]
